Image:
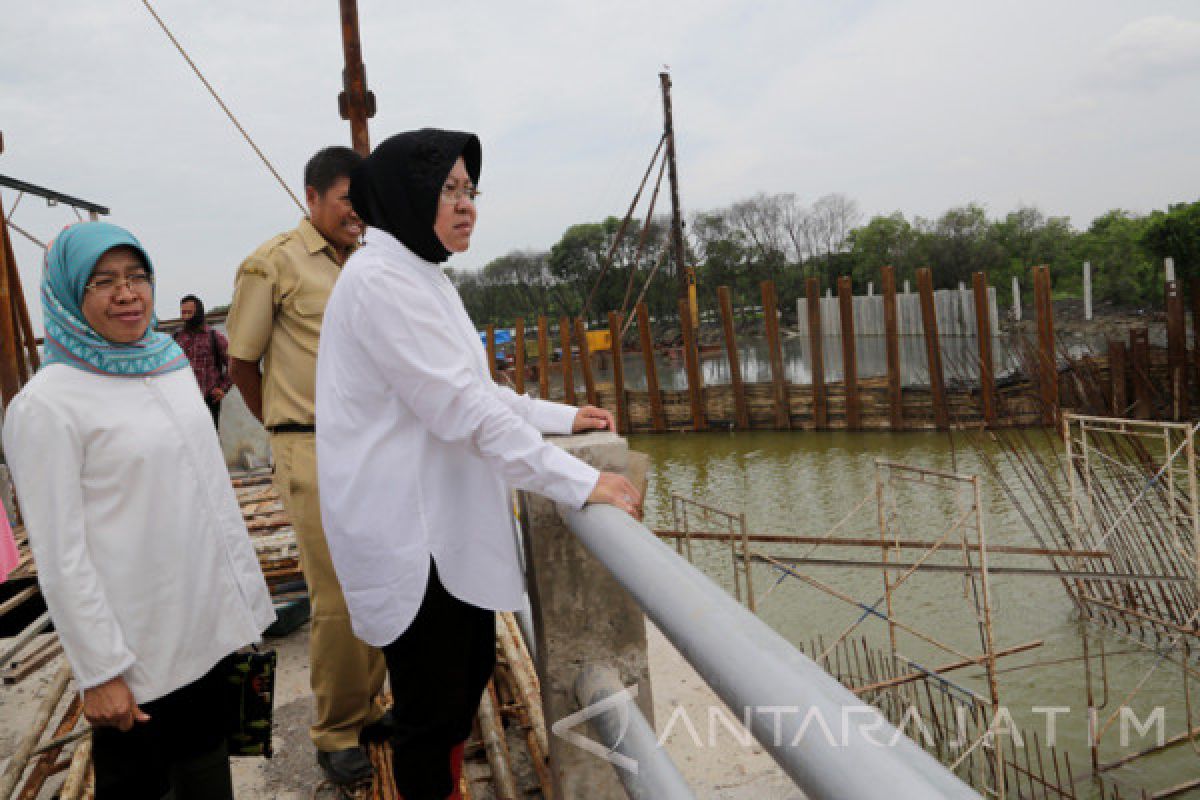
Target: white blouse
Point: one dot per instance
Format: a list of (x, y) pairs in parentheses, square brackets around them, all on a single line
[(417, 446), (141, 550)]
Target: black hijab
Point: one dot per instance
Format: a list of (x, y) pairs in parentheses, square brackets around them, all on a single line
[(398, 187), (196, 323)]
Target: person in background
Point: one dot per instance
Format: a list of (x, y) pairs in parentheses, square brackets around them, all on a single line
[(278, 304), (207, 350), (418, 449), (141, 550)]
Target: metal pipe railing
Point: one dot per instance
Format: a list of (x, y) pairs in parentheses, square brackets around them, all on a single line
[(832, 744), (649, 773)]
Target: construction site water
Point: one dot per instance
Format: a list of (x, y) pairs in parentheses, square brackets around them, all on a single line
[(805, 484)]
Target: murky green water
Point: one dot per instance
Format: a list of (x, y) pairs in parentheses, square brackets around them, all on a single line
[(804, 483)]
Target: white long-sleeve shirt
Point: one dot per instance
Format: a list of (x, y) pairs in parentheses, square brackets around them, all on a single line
[(417, 446), (141, 550)]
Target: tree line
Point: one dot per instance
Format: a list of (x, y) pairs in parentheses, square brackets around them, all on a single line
[(609, 265)]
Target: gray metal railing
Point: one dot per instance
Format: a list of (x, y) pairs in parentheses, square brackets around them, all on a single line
[(834, 746)]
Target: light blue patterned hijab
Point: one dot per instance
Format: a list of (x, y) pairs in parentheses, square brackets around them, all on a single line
[(70, 339)]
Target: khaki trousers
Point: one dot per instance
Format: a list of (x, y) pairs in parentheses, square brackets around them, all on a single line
[(345, 672)]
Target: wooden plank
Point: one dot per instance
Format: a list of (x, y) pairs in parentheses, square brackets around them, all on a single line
[(891, 331), (1177, 369), (618, 370), (585, 363), (781, 404), (1118, 378), (1047, 356), (725, 304), (543, 359), (519, 355), (568, 373), (691, 358), (1139, 366), (849, 353), (983, 330), (1195, 287), (491, 351), (933, 349), (658, 419), (812, 292)]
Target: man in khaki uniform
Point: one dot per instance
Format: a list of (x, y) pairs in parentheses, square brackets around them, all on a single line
[(278, 303)]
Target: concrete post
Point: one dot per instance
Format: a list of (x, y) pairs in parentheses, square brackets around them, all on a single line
[(1016, 295), (907, 287), (582, 617), (1169, 268), (1087, 290)]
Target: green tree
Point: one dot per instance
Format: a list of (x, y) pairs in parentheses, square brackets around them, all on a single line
[(1122, 271), (1175, 233)]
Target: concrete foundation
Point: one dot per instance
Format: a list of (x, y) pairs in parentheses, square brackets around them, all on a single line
[(582, 617)]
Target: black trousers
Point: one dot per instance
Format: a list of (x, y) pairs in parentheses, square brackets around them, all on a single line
[(438, 668), (180, 750)]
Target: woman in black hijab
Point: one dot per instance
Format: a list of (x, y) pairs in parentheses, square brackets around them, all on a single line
[(418, 449)]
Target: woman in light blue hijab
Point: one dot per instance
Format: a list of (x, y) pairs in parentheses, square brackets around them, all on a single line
[(142, 554)]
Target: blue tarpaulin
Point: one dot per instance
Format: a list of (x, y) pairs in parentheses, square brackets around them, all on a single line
[(502, 337)]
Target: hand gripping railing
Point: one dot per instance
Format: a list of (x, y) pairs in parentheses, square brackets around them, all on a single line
[(834, 746)]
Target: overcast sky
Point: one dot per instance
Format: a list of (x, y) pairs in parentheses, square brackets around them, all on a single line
[(913, 105)]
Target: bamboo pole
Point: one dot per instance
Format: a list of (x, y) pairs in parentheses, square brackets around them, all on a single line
[(522, 671), (782, 407), (725, 304), (568, 374), (849, 353), (618, 370), (491, 351), (9, 382), (22, 321), (585, 363), (41, 718), (519, 355), (983, 328), (891, 325), (657, 417), (820, 398), (495, 746), (1047, 358), (543, 359), (691, 359), (77, 773), (933, 348)]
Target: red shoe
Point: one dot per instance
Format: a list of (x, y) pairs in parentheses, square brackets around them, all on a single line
[(456, 765)]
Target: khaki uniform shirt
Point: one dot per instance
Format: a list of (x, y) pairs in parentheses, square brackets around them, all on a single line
[(278, 303)]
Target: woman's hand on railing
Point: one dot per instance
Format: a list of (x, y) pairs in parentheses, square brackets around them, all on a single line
[(616, 490), (111, 705), (591, 418)]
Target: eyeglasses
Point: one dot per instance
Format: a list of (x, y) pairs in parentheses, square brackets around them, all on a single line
[(109, 285), (451, 195)]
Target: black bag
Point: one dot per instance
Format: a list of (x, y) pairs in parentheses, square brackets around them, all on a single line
[(249, 681)]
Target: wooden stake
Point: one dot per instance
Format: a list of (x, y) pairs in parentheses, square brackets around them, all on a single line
[(742, 421), (1118, 378), (618, 370), (891, 325), (1177, 369), (519, 355), (564, 332), (491, 351), (782, 407), (657, 417), (1139, 364), (1047, 357), (933, 348), (10, 384), (849, 353), (820, 401), (543, 359), (692, 361), (585, 363), (983, 330)]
